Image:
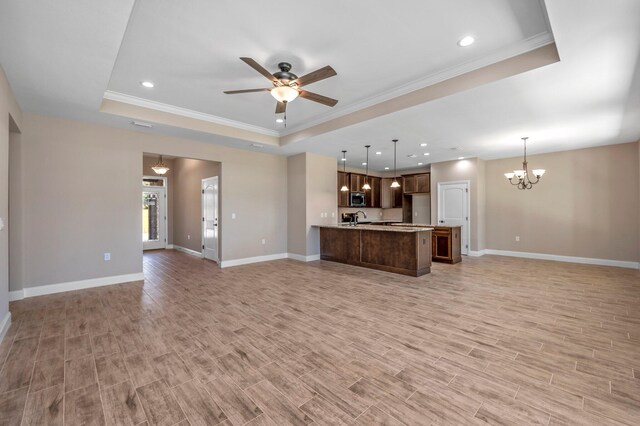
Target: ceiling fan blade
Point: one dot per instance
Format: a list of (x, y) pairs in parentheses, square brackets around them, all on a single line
[(233, 92), (316, 75), (256, 66), (281, 107), (318, 98)]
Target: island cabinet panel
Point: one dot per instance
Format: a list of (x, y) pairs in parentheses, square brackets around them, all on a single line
[(407, 253), (340, 245)]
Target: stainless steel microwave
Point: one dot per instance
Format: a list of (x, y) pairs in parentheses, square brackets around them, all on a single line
[(357, 199)]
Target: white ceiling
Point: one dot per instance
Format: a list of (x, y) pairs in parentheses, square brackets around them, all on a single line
[(61, 57)]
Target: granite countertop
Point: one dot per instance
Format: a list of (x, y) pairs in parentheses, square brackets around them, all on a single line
[(389, 228)]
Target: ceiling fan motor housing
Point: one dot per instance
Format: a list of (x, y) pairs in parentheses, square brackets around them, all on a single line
[(284, 74)]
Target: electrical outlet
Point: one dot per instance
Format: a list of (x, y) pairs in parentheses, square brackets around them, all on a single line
[(517, 237), (333, 214), (188, 237), (264, 241), (233, 215), (107, 257), (416, 214)]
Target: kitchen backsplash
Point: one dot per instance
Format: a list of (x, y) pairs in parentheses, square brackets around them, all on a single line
[(373, 214)]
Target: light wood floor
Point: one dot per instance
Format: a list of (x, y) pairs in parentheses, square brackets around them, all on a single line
[(493, 339)]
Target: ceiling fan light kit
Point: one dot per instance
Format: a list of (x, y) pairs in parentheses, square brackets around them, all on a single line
[(520, 177), (287, 86)]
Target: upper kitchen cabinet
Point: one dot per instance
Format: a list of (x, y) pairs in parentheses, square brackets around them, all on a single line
[(356, 181), (373, 195), (343, 196), (391, 198), (417, 183)]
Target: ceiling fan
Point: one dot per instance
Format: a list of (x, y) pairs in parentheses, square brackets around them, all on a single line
[(287, 86)]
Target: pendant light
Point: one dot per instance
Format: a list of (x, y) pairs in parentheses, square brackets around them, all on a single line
[(366, 185), (160, 168), (344, 188), (395, 183)]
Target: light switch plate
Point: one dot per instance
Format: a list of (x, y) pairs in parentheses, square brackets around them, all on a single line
[(1, 224)]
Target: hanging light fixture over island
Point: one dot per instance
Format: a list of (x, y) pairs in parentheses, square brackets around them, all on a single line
[(520, 178), (344, 188), (395, 183)]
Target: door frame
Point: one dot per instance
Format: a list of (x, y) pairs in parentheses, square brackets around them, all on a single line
[(165, 207), (217, 209), (458, 182)]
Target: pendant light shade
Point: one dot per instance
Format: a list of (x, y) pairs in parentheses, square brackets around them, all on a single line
[(160, 168), (344, 188), (395, 183), (366, 185)]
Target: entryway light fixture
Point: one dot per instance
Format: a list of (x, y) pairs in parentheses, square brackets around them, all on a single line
[(344, 188), (366, 185), (395, 183), (160, 168), (522, 180)]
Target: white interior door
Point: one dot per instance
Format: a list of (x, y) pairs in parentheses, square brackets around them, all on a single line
[(453, 209), (210, 218), (154, 218)]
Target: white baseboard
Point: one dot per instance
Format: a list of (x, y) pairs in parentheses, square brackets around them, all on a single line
[(4, 325), (477, 253), (74, 285), (570, 259), (169, 246), (186, 250), (248, 260), (302, 258)]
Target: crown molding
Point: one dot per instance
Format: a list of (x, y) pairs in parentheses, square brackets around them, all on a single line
[(527, 45), (184, 112)]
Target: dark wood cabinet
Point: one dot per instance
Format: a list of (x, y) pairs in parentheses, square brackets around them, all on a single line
[(373, 195), (417, 183), (391, 198), (343, 196), (445, 244)]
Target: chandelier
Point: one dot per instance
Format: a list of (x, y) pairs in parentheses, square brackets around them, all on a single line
[(160, 167), (520, 178)]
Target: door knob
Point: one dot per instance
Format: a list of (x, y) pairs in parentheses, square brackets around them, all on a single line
[(442, 221)]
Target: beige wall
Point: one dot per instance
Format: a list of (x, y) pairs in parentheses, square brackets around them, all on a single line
[(149, 161), (312, 182), (460, 170), (586, 205), (187, 213), (93, 207), (10, 121)]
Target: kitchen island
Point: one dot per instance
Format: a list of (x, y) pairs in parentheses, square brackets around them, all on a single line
[(387, 248)]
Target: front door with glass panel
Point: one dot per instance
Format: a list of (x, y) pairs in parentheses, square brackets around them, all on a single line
[(154, 218)]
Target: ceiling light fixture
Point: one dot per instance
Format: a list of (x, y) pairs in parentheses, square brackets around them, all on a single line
[(466, 41), (522, 180), (460, 158), (426, 153), (423, 144), (284, 93), (378, 153), (386, 168), (419, 164), (279, 120), (366, 185), (395, 183), (160, 168), (147, 84), (344, 188)]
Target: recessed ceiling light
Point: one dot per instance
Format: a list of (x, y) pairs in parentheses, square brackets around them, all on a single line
[(147, 84), (257, 145), (419, 164), (466, 41), (364, 164), (279, 120), (460, 158), (412, 156), (343, 159), (423, 144), (378, 153), (426, 153), (386, 168)]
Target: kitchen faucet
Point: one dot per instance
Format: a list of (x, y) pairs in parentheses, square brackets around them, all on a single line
[(356, 215)]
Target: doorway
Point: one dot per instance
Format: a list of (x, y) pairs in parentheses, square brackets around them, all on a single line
[(453, 209), (154, 213), (210, 218)]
